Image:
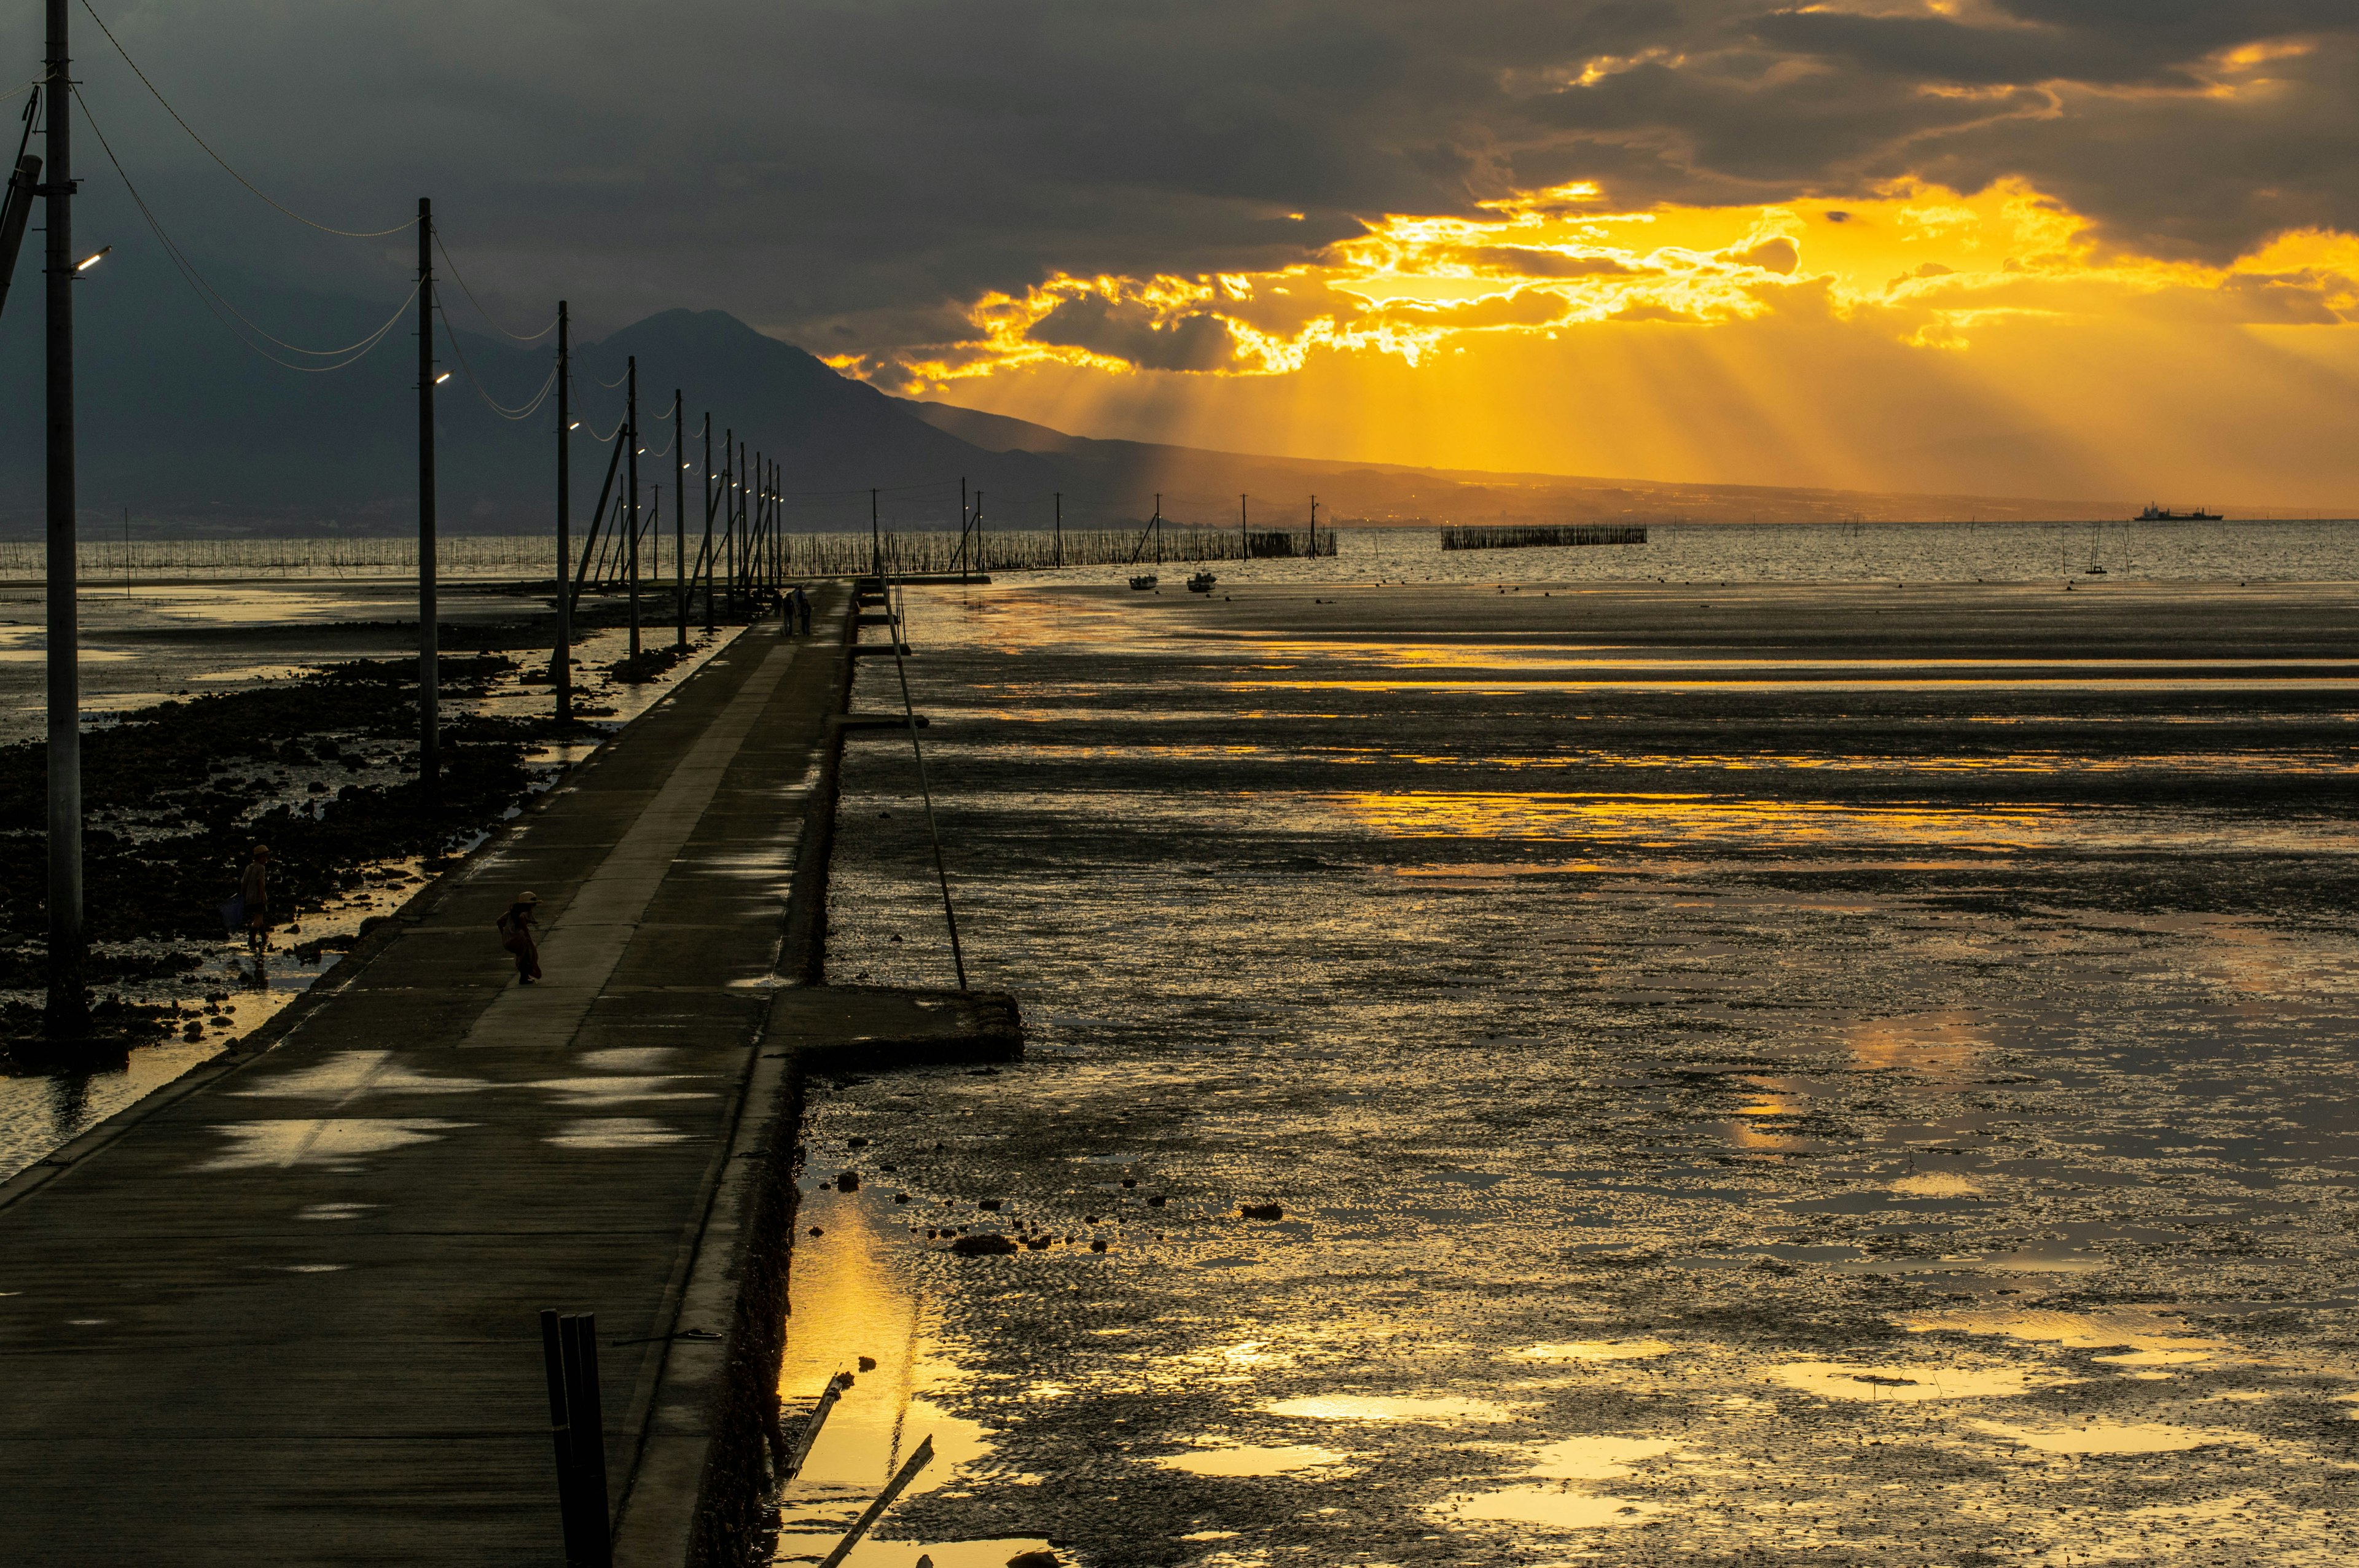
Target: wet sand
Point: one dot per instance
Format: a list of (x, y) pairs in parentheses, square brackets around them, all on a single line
[(1846, 1073)]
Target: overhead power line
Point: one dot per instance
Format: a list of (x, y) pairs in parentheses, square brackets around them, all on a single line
[(324, 228), (522, 411), (215, 301), (487, 315)]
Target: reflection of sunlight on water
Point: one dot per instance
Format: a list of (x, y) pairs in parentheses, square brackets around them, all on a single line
[(853, 1304), (2098, 1437), (1906, 1382), (1353, 1407), (1245, 1460)]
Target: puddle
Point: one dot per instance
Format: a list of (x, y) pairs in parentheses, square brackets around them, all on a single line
[(1557, 1508), (1595, 1350), (1244, 1461), (2139, 1332), (280, 1145), (2098, 1437), (1597, 1458), (1905, 1383), (857, 1310), (1449, 1412)]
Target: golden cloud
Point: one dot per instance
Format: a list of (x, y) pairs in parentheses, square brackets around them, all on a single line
[(1924, 265)]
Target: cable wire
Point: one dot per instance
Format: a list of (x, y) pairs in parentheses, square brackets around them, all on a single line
[(215, 301), (346, 234), (478, 304), (522, 411)]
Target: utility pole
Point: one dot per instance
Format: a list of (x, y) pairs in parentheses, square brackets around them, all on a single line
[(631, 417), (560, 666), (981, 560), (679, 516), (708, 522), (745, 536), (729, 512), (1058, 502), (429, 740), (67, 1015)]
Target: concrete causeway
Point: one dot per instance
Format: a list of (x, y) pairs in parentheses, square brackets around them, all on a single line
[(284, 1311)]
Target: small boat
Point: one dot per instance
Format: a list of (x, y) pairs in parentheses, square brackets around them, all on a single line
[(1143, 583), (1201, 582)]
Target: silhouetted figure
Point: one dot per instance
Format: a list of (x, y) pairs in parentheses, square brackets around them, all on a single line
[(516, 936), (253, 891)]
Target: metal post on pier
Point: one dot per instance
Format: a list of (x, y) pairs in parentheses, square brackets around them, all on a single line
[(1244, 537), (982, 557), (1059, 524), (1314, 527), (875, 544), (561, 663), (729, 512)]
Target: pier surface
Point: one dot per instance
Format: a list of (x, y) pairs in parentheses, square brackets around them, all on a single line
[(284, 1311)]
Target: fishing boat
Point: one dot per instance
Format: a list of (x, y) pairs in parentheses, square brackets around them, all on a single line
[(1144, 582), (2165, 515), (1201, 582)]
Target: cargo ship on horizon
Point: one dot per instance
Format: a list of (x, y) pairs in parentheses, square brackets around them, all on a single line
[(2164, 515)]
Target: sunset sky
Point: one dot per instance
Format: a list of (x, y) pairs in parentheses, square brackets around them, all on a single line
[(2060, 247)]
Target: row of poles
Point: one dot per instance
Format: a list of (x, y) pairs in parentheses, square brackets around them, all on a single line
[(744, 497)]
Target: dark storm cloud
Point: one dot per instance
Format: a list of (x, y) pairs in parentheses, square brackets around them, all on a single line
[(849, 173), (1191, 342)]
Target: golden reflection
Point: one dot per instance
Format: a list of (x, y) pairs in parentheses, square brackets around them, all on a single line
[(849, 1301), (1926, 1043)]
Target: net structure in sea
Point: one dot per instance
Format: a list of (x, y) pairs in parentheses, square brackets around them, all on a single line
[(1515, 538), (949, 552)]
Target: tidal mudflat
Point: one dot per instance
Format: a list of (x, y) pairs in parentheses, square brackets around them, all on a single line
[(1837, 1073)]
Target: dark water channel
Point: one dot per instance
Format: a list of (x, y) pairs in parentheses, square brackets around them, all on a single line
[(1841, 1074)]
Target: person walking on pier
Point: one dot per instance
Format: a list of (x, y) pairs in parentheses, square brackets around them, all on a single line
[(254, 894), (802, 609), (515, 936)]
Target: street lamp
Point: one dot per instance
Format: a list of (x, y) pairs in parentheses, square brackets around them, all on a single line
[(89, 261)]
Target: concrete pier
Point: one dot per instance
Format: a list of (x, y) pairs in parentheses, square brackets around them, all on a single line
[(284, 1311)]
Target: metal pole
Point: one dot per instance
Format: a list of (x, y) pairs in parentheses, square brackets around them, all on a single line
[(744, 565), (1314, 527), (67, 1016), (1245, 536), (560, 664), (876, 544), (925, 790), (1059, 499), (707, 523), (631, 419), (429, 740), (679, 516), (729, 514)]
